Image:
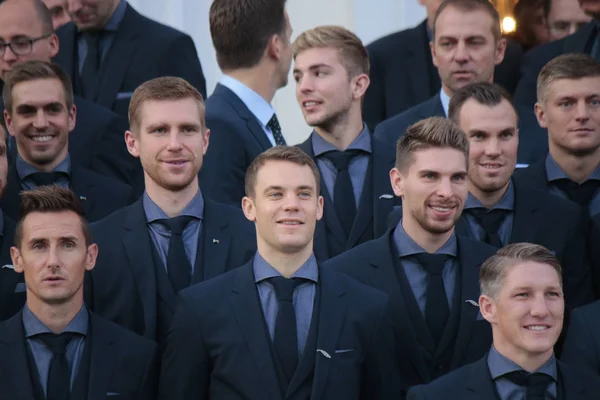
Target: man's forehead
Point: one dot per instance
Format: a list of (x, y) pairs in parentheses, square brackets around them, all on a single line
[(18, 18)]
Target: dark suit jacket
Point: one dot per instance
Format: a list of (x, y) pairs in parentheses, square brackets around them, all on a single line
[(474, 382), (236, 138), (403, 74), (383, 159), (371, 263), (533, 139), (12, 284), (142, 50), (100, 195), (582, 344), (391, 129), (123, 287), (224, 348), (120, 362)]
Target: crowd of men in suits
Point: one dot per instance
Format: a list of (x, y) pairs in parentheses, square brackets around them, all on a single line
[(432, 238)]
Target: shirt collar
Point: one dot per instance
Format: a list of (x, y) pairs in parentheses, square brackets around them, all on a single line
[(445, 99), (554, 172), (115, 20), (507, 202), (194, 208), (257, 105), (24, 169), (263, 270), (407, 246), (500, 365), (33, 326), (362, 142)]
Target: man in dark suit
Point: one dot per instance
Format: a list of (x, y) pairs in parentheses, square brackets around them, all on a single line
[(55, 348), (173, 236), (284, 327), (40, 115), (467, 44), (254, 51), (569, 86), (522, 298), (429, 273), (332, 73), (403, 74), (499, 211), (97, 141), (109, 49)]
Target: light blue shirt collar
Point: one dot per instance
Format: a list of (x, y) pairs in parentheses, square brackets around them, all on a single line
[(445, 99), (257, 105)]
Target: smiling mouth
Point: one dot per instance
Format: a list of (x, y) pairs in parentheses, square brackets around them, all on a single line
[(537, 328), (290, 223), (42, 139)]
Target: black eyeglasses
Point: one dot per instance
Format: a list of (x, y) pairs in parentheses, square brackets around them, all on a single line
[(21, 46)]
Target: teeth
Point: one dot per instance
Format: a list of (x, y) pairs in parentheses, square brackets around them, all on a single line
[(290, 223), (42, 138), (491, 166), (310, 103), (536, 328), (441, 209)]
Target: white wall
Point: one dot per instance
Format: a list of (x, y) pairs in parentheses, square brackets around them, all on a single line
[(369, 19)]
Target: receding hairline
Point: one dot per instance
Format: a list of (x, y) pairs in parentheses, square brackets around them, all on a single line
[(503, 103), (459, 7), (36, 213), (136, 123)]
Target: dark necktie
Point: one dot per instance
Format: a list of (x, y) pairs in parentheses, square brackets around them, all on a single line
[(275, 128), (46, 178), (437, 309), (179, 268), (91, 64), (490, 221), (343, 192), (286, 334), (59, 374), (536, 384), (580, 194)]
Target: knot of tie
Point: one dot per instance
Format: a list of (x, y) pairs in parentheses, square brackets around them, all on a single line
[(580, 194), (535, 383), (47, 178), (177, 225), (341, 159), (432, 263), (57, 343), (284, 287)]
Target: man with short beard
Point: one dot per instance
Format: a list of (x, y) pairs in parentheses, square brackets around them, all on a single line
[(172, 236), (430, 273), (500, 211)]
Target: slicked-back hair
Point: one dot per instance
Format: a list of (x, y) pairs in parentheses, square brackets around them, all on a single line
[(280, 153), (566, 66), (160, 89), (494, 269), (50, 199), (484, 93), (433, 132), (352, 52), (241, 30), (32, 71), (467, 6)]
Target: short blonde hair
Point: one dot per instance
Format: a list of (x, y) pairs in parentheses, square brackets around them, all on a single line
[(567, 66), (494, 269), (353, 54), (163, 88), (433, 132)]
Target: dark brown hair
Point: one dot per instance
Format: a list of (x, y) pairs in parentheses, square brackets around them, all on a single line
[(484, 93), (241, 29), (280, 153)]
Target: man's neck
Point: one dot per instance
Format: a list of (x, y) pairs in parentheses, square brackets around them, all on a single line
[(430, 242), (285, 263), (529, 362), (488, 198), (577, 168), (55, 317), (46, 167), (258, 79), (343, 133), (171, 203)]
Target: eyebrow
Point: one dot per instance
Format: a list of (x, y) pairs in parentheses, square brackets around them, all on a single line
[(193, 125), (277, 187), (315, 66), (62, 239)]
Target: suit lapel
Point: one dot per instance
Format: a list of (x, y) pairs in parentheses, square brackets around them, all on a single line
[(383, 161), (571, 383), (246, 307), (103, 359), (480, 381), (469, 275), (81, 185), (418, 62), (534, 176), (11, 199), (383, 277), (138, 247), (331, 318), (117, 60), (524, 226), (217, 240), (14, 369), (8, 277), (435, 108)]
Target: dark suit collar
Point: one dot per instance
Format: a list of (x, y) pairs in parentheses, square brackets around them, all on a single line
[(433, 108), (573, 383), (534, 176), (479, 380), (103, 357), (217, 236), (14, 368), (81, 184), (11, 198), (527, 201), (251, 121)]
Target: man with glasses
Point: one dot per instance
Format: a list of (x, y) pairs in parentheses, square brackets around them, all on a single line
[(26, 33)]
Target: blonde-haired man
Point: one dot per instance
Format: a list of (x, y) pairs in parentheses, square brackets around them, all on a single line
[(331, 71)]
